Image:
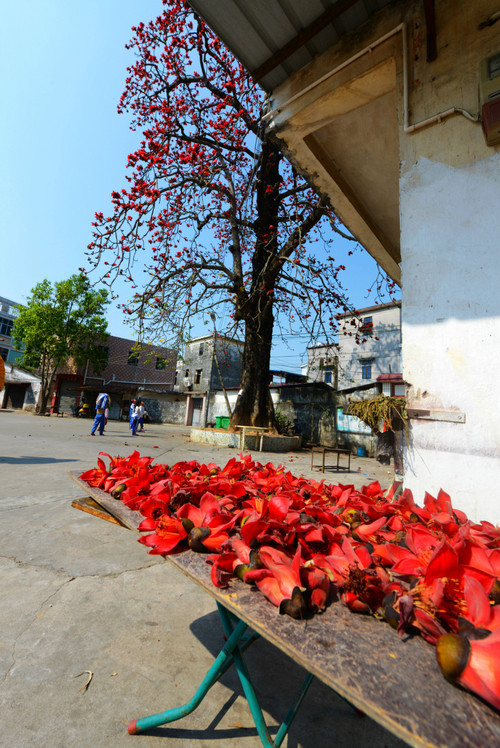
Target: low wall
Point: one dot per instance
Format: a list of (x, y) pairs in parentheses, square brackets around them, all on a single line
[(223, 438), (168, 407)]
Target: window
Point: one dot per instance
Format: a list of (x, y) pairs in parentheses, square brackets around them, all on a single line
[(197, 376), (366, 368), (176, 378), (133, 358), (161, 364), (4, 352), (201, 349), (366, 328), (6, 326), (328, 376), (186, 375), (104, 352)]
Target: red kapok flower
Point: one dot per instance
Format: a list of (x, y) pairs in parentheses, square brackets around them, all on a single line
[(475, 665), (167, 535)]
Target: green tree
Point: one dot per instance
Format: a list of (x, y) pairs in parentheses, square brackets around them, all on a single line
[(60, 322)]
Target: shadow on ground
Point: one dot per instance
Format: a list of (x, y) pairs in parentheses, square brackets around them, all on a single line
[(26, 460), (343, 725)]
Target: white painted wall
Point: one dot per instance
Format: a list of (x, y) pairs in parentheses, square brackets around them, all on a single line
[(356, 119), (450, 221), (383, 346)]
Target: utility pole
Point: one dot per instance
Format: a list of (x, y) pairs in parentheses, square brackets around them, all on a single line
[(212, 317)]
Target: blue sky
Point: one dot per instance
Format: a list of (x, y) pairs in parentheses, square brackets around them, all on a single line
[(64, 147)]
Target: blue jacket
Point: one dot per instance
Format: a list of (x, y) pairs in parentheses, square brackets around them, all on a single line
[(102, 401)]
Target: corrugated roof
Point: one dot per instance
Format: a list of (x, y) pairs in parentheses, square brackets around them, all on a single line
[(275, 38)]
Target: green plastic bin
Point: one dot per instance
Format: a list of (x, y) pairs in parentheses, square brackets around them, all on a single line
[(222, 422)]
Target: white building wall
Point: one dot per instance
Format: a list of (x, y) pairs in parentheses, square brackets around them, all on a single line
[(383, 347), (322, 364), (449, 211), (450, 219)]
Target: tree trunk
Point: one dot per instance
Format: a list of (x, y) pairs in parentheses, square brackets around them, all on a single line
[(46, 386), (254, 406), (44, 397)]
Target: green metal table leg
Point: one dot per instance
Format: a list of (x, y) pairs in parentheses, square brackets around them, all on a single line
[(146, 723), (292, 712), (246, 683), (229, 655), (249, 691)]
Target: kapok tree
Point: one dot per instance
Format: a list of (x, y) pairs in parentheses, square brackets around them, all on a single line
[(214, 215)]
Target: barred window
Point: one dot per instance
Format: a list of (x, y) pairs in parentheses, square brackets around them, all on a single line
[(133, 358)]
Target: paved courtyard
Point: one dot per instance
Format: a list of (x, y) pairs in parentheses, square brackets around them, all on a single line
[(81, 594)]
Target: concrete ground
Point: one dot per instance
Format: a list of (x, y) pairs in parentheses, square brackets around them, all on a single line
[(82, 594)]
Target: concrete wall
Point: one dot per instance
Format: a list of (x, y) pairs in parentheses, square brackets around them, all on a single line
[(451, 331), (313, 405), (164, 407), (366, 140), (450, 245), (200, 361)]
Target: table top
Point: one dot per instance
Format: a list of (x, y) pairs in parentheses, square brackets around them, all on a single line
[(395, 681), (252, 428), (340, 450)]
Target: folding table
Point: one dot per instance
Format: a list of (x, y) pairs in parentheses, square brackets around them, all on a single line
[(394, 681)]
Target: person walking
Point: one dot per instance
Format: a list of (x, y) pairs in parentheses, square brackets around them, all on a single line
[(142, 410), (101, 404), (134, 420), (131, 413)]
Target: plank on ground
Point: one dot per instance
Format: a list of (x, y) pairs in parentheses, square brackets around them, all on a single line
[(395, 681), (127, 517), (88, 505)]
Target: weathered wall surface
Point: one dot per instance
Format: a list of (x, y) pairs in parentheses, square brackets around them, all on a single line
[(450, 247), (446, 196), (312, 404), (164, 408), (452, 341), (203, 365)]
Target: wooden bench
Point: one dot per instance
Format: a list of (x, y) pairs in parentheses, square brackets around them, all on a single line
[(395, 681), (260, 431), (323, 451)]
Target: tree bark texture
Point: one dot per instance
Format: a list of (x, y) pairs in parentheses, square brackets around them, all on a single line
[(254, 406)]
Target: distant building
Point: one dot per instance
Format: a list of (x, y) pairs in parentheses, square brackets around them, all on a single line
[(128, 371), (8, 314), (210, 363), (22, 388), (365, 362), (368, 351), (322, 364), (369, 345)]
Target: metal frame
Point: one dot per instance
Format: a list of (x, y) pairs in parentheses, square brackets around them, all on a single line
[(239, 637)]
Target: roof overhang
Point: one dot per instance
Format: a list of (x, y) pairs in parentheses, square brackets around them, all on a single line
[(343, 134), (274, 39)]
